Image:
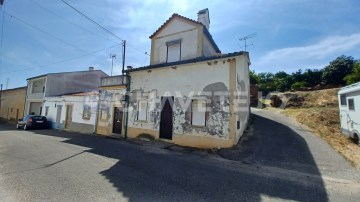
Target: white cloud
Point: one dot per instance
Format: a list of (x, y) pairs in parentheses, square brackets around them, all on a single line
[(309, 54)]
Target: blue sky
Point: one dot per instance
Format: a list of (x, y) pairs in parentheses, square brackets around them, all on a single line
[(291, 34)]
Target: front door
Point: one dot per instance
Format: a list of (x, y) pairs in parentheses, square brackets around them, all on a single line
[(58, 115), (117, 123), (166, 118), (68, 119)]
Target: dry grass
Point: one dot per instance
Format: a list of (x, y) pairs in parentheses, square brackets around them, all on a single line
[(319, 111)]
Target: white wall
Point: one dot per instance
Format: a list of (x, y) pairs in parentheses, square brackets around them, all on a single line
[(243, 90), (77, 102), (180, 83), (350, 119), (208, 49), (177, 29)]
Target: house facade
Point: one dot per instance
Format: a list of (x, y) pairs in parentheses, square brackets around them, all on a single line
[(112, 105), (12, 102), (73, 112), (56, 84), (191, 94)]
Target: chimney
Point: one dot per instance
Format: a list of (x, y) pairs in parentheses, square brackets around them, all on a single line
[(203, 17), (91, 68)]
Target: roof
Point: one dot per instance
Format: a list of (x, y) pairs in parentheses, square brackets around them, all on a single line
[(206, 31), (13, 89), (43, 75), (194, 60), (350, 88)]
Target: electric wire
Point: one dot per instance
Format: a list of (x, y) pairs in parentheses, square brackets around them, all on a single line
[(65, 60), (68, 21), (43, 31), (100, 26)]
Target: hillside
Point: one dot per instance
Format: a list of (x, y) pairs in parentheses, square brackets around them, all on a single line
[(319, 111)]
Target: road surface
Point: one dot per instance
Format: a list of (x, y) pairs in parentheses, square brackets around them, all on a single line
[(276, 160)]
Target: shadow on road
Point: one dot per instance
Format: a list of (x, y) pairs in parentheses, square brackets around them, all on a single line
[(159, 175)]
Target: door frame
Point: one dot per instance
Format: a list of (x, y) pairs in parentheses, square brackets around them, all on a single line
[(172, 115), (69, 107), (122, 119)]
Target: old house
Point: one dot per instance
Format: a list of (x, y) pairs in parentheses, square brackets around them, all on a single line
[(12, 102), (73, 112), (190, 94), (39, 88), (111, 116)]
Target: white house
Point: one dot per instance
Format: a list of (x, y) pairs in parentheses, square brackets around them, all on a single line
[(349, 105), (56, 84), (73, 112), (190, 94)]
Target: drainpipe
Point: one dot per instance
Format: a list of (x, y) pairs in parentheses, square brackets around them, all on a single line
[(127, 102), (97, 113)]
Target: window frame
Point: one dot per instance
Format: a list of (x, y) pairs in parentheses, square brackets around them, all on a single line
[(206, 113), (172, 43), (351, 106), (86, 112), (146, 111), (343, 100)]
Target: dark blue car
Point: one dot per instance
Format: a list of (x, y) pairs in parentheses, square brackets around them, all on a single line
[(32, 121)]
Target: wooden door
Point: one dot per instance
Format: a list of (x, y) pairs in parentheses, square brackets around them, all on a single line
[(166, 118), (68, 118), (117, 122)]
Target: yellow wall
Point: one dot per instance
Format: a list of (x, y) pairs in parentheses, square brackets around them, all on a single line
[(11, 101)]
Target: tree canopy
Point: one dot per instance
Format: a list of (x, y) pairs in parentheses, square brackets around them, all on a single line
[(341, 71)]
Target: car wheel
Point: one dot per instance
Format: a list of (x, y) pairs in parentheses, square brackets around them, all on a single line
[(25, 127)]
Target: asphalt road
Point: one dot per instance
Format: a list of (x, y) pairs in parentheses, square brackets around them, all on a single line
[(276, 160)]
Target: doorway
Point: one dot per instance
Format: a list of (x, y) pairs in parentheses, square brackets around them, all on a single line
[(68, 118), (166, 118), (58, 115), (117, 122)]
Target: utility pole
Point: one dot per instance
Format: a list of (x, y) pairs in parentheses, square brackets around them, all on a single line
[(112, 56), (123, 59), (1, 95)]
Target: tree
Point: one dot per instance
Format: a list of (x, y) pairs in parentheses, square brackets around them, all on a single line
[(335, 72), (312, 76), (354, 76), (254, 78)]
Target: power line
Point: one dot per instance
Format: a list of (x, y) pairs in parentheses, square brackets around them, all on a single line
[(68, 21), (102, 27), (43, 31), (65, 60), (93, 21), (2, 37)]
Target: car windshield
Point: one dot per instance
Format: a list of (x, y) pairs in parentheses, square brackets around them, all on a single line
[(38, 118)]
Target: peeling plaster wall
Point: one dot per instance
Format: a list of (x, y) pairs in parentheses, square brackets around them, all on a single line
[(184, 82), (110, 97)]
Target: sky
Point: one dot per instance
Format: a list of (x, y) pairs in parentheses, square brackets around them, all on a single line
[(43, 36)]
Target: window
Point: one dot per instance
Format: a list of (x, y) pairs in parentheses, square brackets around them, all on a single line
[(198, 115), (351, 104), (173, 51), (343, 100), (142, 110), (104, 114), (86, 112), (46, 110)]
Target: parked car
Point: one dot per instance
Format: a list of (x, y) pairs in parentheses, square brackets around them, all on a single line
[(32, 121)]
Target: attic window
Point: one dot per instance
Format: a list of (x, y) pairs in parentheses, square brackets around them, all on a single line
[(173, 50)]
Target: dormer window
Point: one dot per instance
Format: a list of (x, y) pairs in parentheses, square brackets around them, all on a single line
[(173, 51)]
